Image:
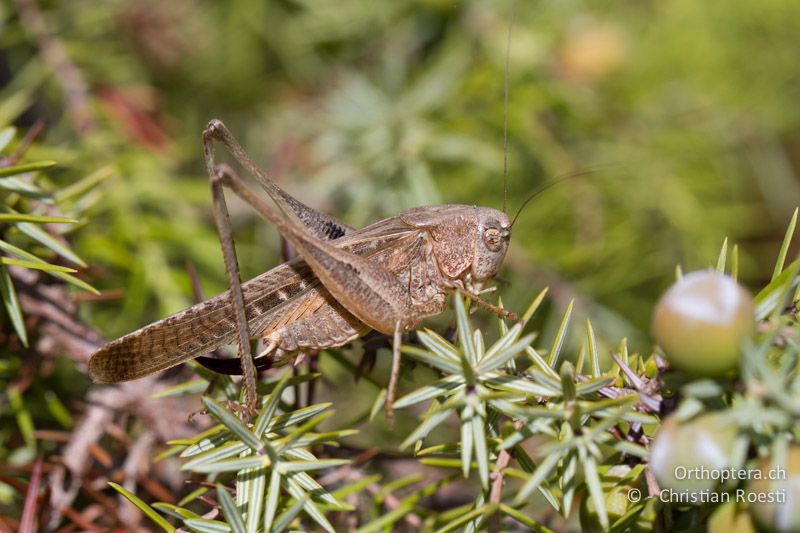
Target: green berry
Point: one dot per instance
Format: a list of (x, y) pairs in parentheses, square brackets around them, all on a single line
[(688, 457), (701, 321), (775, 504)]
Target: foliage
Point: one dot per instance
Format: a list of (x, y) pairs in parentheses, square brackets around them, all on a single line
[(23, 213), (34, 224), (677, 122)]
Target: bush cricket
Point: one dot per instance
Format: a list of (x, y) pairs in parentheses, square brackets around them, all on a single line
[(346, 282), (386, 277)]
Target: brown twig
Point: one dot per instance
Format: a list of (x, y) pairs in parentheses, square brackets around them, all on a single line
[(496, 492), (135, 465), (351, 473), (26, 142), (6, 527), (61, 333), (78, 519), (27, 522), (392, 502)]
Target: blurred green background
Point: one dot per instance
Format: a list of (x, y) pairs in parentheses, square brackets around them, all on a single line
[(679, 120), (681, 117)]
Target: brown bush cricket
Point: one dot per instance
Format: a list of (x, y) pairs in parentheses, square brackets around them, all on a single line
[(346, 282), (385, 277)]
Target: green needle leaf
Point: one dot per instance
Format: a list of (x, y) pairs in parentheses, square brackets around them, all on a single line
[(524, 520), (542, 471), (464, 330), (467, 438), (428, 392), (231, 512), (561, 334), (431, 358), (234, 424), (232, 465), (496, 358), (431, 421), (22, 254), (28, 167), (273, 493), (481, 450), (311, 509), (723, 257), (39, 219), (6, 136), (45, 239), (295, 417), (253, 486), (439, 346), (787, 240), (35, 265), (594, 358), (11, 304), (203, 525), (304, 466), (146, 509), (271, 404), (595, 487)]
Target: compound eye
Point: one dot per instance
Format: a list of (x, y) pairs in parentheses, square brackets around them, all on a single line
[(494, 239)]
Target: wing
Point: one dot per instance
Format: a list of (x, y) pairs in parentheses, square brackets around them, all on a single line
[(270, 298)]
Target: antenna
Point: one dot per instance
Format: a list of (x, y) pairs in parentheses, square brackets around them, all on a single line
[(562, 179), (505, 106)]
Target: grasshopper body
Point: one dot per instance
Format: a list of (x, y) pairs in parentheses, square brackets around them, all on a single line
[(345, 282)]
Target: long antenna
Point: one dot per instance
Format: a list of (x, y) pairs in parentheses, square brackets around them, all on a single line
[(505, 106), (557, 181)]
